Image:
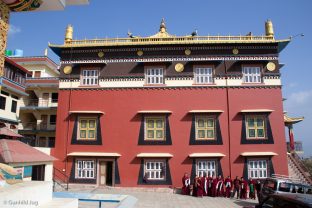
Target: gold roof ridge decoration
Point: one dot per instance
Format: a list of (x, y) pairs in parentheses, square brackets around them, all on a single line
[(164, 38), (292, 120)]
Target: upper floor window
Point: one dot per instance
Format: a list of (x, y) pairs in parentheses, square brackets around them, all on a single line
[(90, 77), (154, 128), (203, 75), (154, 170), (154, 76), (205, 127), (252, 74), (257, 169), (87, 129), (255, 127), (13, 106)]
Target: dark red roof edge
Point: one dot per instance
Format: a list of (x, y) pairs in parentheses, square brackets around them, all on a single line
[(17, 65)]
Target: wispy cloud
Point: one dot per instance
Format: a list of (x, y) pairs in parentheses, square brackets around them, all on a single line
[(14, 30), (300, 98)]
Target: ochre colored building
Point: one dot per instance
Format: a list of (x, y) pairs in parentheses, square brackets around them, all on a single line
[(142, 111)]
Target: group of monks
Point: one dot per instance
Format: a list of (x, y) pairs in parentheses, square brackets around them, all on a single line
[(218, 187)]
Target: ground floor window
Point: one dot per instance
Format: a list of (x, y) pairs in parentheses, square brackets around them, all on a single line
[(85, 169), (154, 170), (206, 167), (257, 169)]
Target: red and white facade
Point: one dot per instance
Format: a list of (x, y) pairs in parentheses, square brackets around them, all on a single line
[(147, 110)]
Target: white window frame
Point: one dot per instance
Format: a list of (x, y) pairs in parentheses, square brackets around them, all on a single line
[(208, 167), (258, 168), (89, 77), (203, 75), (154, 76), (153, 170), (251, 74), (85, 169)]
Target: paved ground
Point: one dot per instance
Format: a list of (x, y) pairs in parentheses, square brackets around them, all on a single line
[(152, 199)]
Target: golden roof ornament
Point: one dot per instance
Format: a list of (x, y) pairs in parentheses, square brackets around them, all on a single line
[(69, 34), (269, 28), (162, 31)]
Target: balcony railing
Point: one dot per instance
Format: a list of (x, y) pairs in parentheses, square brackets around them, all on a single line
[(33, 126), (40, 103)]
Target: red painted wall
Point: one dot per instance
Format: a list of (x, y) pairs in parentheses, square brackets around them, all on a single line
[(121, 124)]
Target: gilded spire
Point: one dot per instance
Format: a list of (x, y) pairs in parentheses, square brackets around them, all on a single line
[(69, 34), (269, 28), (162, 26)]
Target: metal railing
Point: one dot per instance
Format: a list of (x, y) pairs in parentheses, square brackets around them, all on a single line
[(60, 178), (171, 40), (39, 126), (40, 103), (300, 166)]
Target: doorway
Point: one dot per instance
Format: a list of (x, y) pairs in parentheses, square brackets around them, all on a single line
[(106, 173), (38, 173)]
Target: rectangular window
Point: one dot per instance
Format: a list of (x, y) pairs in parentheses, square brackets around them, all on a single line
[(85, 169), (257, 169), (2, 102), (154, 170), (205, 127), (255, 127), (90, 77), (155, 128), (154, 76), (52, 119), (54, 97), (13, 106), (252, 74), (206, 167), (87, 129), (203, 75), (5, 93), (51, 142)]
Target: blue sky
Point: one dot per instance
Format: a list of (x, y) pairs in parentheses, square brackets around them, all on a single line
[(32, 31)]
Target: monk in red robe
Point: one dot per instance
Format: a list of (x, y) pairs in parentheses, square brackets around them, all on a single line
[(228, 186), (220, 184), (209, 185), (214, 187), (195, 186), (200, 187), (243, 189), (205, 185), (186, 182)]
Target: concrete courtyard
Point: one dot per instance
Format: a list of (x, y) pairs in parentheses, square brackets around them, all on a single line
[(144, 198)]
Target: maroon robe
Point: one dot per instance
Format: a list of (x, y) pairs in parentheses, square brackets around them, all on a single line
[(195, 187), (220, 187), (228, 186), (200, 187), (186, 181), (209, 186), (214, 187), (204, 182), (243, 189)]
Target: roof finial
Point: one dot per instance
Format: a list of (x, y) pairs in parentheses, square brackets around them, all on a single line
[(162, 26), (69, 34), (269, 28)]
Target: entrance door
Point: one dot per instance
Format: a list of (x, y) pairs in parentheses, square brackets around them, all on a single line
[(102, 173), (38, 173), (106, 173)]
